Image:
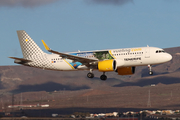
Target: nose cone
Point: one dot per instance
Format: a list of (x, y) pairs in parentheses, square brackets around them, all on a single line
[(168, 57)]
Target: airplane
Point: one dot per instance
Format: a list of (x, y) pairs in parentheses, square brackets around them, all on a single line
[(123, 61)]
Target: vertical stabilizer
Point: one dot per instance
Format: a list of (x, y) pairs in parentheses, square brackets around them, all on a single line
[(29, 48)]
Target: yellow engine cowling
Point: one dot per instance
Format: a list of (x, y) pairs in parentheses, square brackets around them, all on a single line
[(126, 70), (106, 65)]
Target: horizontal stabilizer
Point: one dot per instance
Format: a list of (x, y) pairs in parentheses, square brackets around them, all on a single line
[(20, 60)]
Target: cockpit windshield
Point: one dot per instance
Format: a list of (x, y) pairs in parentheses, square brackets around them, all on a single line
[(160, 51)]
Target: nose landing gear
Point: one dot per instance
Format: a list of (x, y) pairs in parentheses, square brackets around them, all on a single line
[(150, 71)]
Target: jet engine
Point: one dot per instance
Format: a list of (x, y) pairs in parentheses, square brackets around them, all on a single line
[(106, 65), (118, 63), (109, 65), (125, 70)]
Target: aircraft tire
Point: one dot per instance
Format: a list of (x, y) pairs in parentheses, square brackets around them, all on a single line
[(103, 77), (90, 75), (150, 73)]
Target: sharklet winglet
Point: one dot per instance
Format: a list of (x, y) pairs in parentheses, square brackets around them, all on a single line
[(45, 45)]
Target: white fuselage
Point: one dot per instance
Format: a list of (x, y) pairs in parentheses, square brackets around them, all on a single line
[(126, 57)]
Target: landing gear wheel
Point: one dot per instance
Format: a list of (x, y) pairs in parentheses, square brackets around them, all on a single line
[(150, 73), (103, 77), (90, 75)]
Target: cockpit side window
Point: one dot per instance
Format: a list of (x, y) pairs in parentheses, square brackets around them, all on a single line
[(160, 51)]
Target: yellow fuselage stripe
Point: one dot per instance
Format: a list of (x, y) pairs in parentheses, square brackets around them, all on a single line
[(69, 64), (111, 54)]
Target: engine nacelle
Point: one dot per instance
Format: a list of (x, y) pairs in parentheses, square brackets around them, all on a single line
[(125, 70), (118, 63), (106, 65)]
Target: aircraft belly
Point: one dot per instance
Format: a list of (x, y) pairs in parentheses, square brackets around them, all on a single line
[(132, 63)]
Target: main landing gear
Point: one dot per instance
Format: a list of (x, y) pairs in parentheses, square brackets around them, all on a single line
[(103, 76), (150, 71), (91, 75)]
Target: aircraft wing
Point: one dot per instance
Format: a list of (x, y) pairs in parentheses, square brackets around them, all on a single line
[(68, 56)]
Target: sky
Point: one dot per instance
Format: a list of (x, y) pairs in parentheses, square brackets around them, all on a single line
[(72, 25)]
